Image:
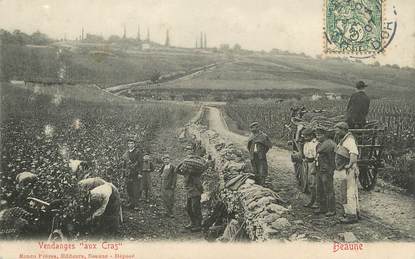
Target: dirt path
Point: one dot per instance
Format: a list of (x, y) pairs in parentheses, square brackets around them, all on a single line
[(386, 215), (149, 222)]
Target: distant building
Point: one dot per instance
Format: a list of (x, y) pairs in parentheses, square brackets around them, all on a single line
[(333, 96), (316, 97)]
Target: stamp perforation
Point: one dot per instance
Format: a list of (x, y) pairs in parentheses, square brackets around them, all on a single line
[(330, 47)]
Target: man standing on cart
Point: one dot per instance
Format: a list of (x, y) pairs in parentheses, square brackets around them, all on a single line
[(346, 165), (358, 107)]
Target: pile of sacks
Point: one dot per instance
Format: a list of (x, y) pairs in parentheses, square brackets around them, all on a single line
[(258, 209)]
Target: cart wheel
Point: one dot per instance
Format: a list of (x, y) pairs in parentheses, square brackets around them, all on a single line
[(367, 177)]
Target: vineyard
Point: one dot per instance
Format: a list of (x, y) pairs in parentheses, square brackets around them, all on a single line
[(93, 64), (398, 118), (40, 134)]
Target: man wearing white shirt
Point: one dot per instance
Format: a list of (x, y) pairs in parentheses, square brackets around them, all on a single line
[(346, 163), (309, 166)]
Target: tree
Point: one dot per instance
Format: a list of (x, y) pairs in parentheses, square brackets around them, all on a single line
[(237, 47), (155, 76), (224, 47), (21, 38), (376, 64), (39, 38), (114, 38), (93, 38), (275, 51)]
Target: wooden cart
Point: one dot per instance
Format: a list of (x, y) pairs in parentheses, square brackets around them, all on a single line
[(370, 155), (369, 142)]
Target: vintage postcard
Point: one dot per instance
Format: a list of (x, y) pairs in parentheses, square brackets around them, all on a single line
[(207, 129)]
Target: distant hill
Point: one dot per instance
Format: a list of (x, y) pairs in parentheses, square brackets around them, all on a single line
[(103, 64), (285, 71)]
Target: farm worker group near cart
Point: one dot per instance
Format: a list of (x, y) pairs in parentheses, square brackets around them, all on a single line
[(321, 157)]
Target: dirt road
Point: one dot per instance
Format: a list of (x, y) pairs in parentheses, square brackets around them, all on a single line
[(122, 88), (386, 215), (149, 222)]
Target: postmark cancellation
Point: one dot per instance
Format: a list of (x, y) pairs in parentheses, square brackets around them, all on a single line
[(356, 27)]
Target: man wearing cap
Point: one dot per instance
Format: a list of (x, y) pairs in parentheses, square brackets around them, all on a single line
[(325, 166), (192, 167), (133, 162), (358, 107), (168, 184), (258, 146), (146, 170), (309, 166), (346, 165)]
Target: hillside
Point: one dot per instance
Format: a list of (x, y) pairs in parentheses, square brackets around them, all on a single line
[(103, 64), (294, 72)]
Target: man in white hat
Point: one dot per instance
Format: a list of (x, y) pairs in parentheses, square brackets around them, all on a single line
[(346, 165)]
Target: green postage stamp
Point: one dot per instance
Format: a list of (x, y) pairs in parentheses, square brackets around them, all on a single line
[(354, 26)]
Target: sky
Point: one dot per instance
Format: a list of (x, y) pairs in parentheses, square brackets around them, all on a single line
[(293, 25)]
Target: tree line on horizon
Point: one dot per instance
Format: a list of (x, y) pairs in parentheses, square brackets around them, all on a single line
[(18, 37)]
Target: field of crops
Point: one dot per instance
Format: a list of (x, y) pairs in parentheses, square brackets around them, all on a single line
[(40, 133), (398, 117)]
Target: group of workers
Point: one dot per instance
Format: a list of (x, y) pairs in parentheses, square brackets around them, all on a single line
[(321, 157), (138, 169)]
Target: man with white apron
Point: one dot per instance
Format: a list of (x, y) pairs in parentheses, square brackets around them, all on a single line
[(346, 167), (309, 166)]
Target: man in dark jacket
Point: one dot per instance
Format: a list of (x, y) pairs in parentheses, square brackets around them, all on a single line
[(358, 107), (325, 171), (168, 184), (258, 146), (146, 170), (192, 167), (133, 162)]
